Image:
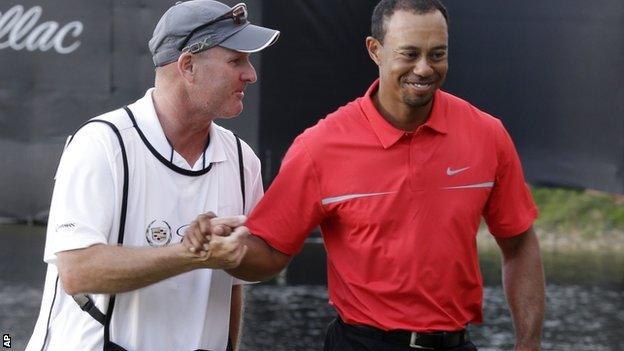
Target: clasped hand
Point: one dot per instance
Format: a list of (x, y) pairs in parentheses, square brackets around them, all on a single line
[(217, 241)]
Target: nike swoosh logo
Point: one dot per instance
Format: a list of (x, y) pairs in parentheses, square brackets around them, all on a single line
[(452, 172)]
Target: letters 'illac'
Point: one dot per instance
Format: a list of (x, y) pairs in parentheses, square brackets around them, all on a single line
[(19, 30)]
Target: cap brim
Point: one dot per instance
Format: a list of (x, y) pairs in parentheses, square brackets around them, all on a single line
[(251, 39)]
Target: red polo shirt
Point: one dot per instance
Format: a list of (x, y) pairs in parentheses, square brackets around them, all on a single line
[(398, 211)]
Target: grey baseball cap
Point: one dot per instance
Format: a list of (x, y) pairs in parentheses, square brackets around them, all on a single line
[(197, 25)]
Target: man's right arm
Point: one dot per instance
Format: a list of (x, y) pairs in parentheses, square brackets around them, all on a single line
[(261, 262), (110, 269)]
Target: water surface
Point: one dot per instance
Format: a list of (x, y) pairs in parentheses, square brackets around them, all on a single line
[(585, 300)]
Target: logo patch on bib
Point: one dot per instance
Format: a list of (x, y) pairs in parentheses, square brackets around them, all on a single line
[(158, 233)]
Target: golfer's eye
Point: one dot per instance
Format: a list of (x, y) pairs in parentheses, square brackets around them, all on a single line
[(438, 55), (410, 55)]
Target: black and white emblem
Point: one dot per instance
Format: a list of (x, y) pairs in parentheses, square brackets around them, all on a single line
[(158, 233)]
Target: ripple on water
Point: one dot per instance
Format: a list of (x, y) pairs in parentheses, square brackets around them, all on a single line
[(19, 307), (293, 318), (577, 318)]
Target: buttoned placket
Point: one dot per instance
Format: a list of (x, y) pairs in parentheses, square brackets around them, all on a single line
[(408, 138), (420, 149)]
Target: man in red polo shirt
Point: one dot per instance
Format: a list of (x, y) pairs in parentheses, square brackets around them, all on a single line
[(398, 181)]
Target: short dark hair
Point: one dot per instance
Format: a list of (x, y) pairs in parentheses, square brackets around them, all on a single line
[(386, 8)]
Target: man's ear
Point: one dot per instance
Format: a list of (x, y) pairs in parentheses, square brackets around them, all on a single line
[(373, 46), (185, 66)]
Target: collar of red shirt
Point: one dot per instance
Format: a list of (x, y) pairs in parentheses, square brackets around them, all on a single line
[(388, 135)]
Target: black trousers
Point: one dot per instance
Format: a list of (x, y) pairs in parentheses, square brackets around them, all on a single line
[(339, 338)]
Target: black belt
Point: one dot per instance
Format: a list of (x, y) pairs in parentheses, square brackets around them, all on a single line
[(419, 341)]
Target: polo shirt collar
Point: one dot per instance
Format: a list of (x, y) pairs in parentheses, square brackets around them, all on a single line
[(388, 134), (148, 122)]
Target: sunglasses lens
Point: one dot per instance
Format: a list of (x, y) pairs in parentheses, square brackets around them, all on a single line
[(239, 13)]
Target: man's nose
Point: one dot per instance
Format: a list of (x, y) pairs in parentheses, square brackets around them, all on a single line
[(249, 74), (422, 67)]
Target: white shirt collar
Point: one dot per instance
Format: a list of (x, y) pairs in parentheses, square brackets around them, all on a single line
[(148, 122)]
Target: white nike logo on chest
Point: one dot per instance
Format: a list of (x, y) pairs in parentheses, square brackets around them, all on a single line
[(452, 172)]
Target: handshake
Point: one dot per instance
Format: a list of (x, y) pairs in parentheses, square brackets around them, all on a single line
[(217, 242)]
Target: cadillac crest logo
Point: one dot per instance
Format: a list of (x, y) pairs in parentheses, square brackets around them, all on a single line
[(158, 233)]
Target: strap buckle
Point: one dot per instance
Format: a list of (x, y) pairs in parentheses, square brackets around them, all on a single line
[(412, 344), (83, 301), (86, 304)]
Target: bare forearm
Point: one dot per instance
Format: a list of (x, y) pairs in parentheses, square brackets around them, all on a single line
[(261, 261), (236, 312), (523, 281), (113, 269)]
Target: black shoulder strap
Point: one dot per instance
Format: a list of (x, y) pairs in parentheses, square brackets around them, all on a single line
[(241, 169), (83, 300), (124, 203), (86, 304), (108, 345)]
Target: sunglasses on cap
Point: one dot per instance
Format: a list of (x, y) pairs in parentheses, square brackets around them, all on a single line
[(238, 13)]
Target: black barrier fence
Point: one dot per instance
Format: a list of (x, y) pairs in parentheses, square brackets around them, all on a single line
[(551, 70)]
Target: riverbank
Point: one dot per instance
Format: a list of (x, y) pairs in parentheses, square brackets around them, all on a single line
[(607, 242), (574, 220)]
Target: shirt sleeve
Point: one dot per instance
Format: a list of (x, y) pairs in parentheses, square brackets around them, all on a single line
[(510, 210), (83, 200), (291, 207)]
